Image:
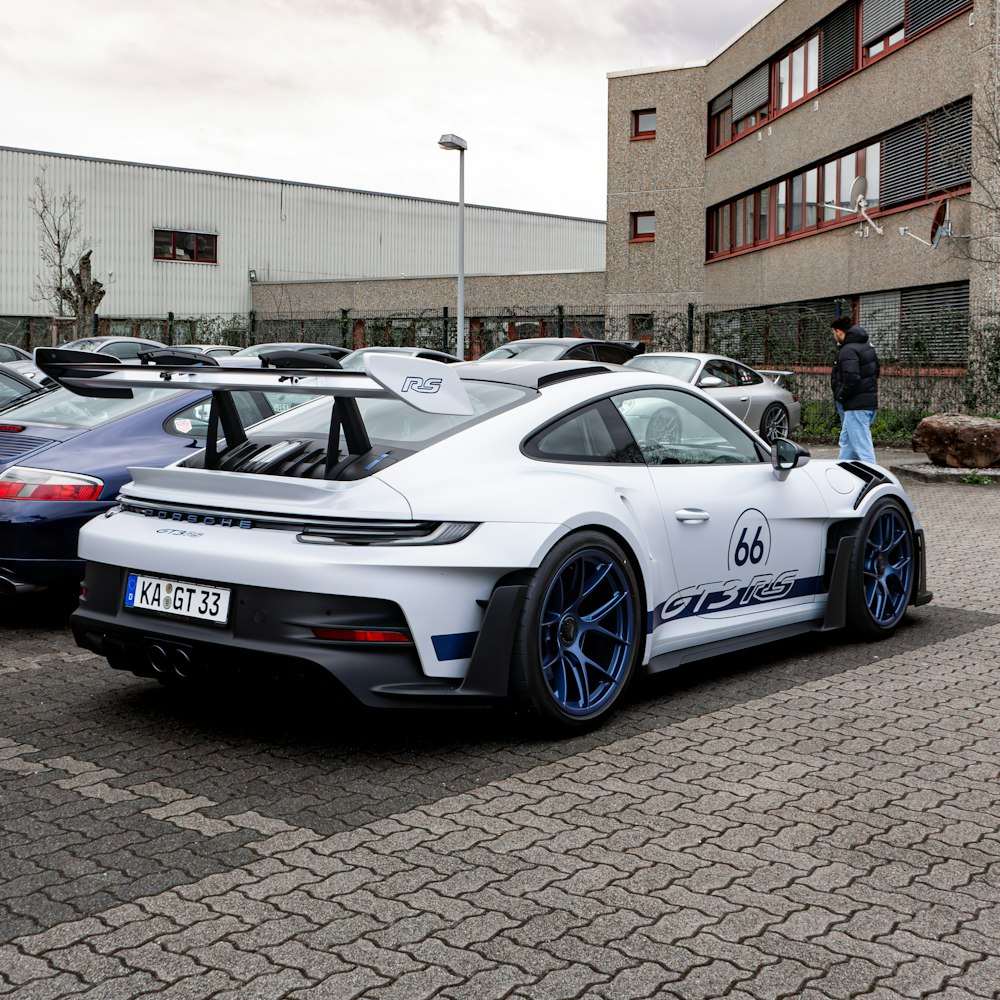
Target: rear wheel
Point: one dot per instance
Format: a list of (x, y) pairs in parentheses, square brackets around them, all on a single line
[(579, 636), (882, 571), (774, 423)]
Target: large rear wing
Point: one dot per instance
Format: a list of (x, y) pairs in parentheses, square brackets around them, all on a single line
[(425, 385)]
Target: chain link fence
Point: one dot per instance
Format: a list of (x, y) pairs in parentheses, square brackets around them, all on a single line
[(945, 358)]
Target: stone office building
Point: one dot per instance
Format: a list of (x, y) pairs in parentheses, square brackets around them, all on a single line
[(730, 182)]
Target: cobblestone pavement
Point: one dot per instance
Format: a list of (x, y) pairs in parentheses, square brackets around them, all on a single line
[(814, 819)]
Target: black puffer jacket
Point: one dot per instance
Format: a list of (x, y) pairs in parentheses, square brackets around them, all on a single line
[(854, 378)]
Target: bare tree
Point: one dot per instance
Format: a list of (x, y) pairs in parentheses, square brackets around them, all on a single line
[(83, 295), (61, 242)]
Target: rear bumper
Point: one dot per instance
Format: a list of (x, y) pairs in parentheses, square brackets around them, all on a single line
[(270, 633)]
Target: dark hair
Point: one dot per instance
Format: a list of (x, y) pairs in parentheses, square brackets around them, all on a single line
[(842, 323)]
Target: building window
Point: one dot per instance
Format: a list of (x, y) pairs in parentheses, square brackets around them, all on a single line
[(642, 227), (171, 244), (798, 73), (916, 161), (644, 124)]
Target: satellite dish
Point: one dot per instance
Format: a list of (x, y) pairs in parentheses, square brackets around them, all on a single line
[(941, 226), (859, 193)]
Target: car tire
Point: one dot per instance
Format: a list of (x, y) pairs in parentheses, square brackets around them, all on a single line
[(774, 423), (882, 571), (663, 427), (579, 635)]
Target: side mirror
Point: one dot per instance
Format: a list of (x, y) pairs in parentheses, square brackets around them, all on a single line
[(710, 382), (787, 455)]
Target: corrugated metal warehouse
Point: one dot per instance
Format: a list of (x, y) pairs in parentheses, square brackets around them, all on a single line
[(169, 239)]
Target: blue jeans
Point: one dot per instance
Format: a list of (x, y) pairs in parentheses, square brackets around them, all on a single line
[(856, 435)]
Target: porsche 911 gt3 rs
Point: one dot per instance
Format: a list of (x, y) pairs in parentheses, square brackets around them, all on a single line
[(428, 534)]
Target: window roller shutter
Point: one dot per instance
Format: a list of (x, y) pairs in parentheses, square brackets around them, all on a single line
[(934, 324), (904, 152), (950, 147), (923, 13), (721, 102), (751, 92), (878, 18), (837, 32)]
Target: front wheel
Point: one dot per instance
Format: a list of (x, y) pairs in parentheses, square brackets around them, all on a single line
[(579, 636), (774, 423), (882, 570)]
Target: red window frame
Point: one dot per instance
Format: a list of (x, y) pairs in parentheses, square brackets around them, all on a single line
[(889, 42), (788, 54), (638, 133), (198, 257), (635, 236)]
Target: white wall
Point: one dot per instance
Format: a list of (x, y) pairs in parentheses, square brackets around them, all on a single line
[(283, 230)]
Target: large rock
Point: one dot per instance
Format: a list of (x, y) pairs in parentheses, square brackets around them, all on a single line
[(958, 441)]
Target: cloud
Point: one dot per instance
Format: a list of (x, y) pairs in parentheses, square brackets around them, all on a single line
[(351, 93)]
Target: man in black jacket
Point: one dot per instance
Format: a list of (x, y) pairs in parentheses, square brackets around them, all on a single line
[(854, 381)]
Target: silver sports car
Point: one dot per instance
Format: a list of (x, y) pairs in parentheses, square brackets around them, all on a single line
[(758, 398)]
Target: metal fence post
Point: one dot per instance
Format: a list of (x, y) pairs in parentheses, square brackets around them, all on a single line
[(560, 320), (690, 327), (444, 328)]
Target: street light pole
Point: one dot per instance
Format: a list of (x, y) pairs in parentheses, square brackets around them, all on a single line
[(450, 141)]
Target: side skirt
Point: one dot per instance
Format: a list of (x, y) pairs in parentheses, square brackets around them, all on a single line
[(676, 658)]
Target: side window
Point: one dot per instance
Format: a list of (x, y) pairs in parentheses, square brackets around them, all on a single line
[(192, 421), (126, 352), (721, 369), (585, 436), (584, 352), (747, 376), (675, 428), (6, 354), (612, 354), (9, 389)]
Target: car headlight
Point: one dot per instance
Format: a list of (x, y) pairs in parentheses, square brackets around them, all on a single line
[(21, 483)]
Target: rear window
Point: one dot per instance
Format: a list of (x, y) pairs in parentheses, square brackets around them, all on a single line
[(681, 368), (393, 422), (65, 408), (529, 352)]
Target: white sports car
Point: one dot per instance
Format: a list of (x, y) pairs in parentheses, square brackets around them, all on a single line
[(427, 534)]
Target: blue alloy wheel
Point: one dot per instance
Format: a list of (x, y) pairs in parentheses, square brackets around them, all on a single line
[(888, 562), (579, 636), (587, 632), (883, 570)]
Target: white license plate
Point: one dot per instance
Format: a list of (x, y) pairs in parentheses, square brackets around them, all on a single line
[(177, 597)]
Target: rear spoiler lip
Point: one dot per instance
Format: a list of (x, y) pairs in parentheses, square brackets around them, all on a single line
[(777, 377), (82, 373)]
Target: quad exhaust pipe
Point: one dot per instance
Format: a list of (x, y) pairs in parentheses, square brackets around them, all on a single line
[(10, 586)]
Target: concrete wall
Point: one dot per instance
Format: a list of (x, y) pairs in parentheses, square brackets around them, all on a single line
[(484, 294), (665, 175)]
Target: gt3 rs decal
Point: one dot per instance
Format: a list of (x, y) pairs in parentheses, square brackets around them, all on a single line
[(709, 598)]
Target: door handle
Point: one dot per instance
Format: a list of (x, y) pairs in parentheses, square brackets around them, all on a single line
[(687, 515), (743, 399)]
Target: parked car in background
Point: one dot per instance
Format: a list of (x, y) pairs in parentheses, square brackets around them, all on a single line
[(615, 352), (64, 457), (212, 350), (27, 369), (326, 350), (355, 361), (756, 396), (122, 348), (8, 352), (16, 387)]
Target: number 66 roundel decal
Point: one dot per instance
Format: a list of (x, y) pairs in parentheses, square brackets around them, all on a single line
[(750, 543)]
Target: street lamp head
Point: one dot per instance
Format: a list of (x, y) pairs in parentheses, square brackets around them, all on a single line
[(450, 141)]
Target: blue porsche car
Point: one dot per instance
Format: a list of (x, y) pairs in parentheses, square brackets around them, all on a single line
[(64, 457)]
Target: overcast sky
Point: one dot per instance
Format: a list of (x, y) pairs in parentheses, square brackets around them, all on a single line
[(352, 93)]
